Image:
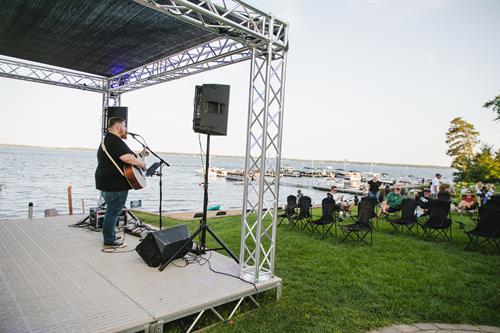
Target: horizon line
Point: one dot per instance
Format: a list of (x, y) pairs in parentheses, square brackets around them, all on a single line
[(241, 156)]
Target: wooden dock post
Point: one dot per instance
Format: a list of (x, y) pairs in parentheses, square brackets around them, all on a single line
[(70, 200), (83, 206)]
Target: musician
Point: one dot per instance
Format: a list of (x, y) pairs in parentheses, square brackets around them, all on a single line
[(112, 156)]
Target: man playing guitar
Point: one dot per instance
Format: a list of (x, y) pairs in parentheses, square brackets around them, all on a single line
[(112, 156)]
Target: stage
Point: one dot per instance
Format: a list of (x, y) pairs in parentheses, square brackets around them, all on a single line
[(54, 278)]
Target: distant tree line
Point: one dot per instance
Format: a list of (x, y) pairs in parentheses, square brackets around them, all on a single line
[(473, 164)]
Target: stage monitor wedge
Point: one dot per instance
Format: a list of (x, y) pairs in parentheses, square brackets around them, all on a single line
[(211, 106), (160, 245)]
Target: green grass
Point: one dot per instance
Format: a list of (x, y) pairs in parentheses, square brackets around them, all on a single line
[(330, 286)]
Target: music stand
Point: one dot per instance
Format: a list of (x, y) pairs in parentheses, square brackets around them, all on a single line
[(152, 170)]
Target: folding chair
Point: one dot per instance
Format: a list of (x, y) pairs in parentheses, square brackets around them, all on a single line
[(377, 205), (363, 227), (328, 220), (438, 224), (304, 216), (487, 230), (408, 219), (290, 210)]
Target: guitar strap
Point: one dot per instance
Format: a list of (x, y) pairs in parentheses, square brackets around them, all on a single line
[(112, 160)]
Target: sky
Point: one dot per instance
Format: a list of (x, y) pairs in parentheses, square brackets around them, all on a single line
[(366, 81)]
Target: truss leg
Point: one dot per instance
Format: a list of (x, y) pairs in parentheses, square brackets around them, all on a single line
[(262, 164), (108, 99)]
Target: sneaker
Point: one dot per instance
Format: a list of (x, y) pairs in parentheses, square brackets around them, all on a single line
[(115, 244), (118, 237)]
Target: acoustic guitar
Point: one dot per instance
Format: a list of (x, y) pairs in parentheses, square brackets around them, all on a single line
[(136, 177)]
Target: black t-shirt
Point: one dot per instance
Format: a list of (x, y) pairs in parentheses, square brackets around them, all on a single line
[(374, 186), (107, 176)]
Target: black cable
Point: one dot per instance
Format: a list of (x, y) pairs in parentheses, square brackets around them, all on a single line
[(207, 260), (115, 249)]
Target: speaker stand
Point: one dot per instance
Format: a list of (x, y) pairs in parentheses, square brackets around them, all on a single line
[(203, 228)]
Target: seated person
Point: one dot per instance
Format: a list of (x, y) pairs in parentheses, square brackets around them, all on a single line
[(489, 192), (423, 199), (392, 202), (340, 203), (467, 202)]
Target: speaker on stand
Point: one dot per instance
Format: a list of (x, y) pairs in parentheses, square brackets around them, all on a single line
[(211, 104)]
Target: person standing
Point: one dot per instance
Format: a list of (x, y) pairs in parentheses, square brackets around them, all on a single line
[(112, 155), (435, 186), (374, 189), (299, 195)]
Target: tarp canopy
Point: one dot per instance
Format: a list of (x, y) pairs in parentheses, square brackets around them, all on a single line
[(105, 37)]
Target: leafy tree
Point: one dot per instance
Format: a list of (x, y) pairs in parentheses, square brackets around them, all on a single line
[(485, 166), (494, 105), (462, 140)]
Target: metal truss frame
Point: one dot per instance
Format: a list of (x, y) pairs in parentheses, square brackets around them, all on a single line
[(217, 53), (232, 18), (16, 69), (245, 33), (262, 164)]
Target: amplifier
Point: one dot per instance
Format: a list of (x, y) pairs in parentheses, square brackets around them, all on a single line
[(96, 217)]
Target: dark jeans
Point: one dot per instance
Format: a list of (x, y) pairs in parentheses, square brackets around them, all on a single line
[(115, 201), (375, 195)]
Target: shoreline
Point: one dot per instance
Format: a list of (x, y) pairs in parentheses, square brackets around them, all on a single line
[(8, 145)]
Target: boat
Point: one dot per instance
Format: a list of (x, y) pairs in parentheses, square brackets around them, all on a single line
[(214, 207)]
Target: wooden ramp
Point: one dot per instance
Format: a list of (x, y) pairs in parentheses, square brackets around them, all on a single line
[(54, 278)]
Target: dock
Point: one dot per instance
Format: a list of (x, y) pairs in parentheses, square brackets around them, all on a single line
[(55, 278)]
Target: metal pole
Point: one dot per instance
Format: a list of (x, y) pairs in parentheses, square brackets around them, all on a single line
[(205, 197), (30, 210), (263, 158), (278, 162), (161, 196), (244, 213)]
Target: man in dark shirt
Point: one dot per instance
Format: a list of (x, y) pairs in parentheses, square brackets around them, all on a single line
[(110, 180), (374, 190)]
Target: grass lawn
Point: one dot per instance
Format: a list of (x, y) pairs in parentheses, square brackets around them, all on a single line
[(330, 286)]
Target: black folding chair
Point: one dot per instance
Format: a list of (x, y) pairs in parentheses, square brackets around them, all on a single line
[(438, 224), (375, 215), (290, 210), (487, 230), (304, 216), (363, 227), (408, 219), (328, 219)]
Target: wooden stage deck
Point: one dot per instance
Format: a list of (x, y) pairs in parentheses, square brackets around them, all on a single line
[(54, 278)]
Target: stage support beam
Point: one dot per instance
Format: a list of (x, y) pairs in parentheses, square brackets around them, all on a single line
[(262, 164), (15, 69), (108, 99), (217, 53), (232, 18)]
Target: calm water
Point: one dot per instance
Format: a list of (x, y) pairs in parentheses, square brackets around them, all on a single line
[(42, 176)]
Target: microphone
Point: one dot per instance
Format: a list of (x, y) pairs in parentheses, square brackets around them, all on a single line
[(133, 134)]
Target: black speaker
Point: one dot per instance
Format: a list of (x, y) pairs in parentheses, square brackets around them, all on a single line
[(115, 111), (160, 245), (211, 105)]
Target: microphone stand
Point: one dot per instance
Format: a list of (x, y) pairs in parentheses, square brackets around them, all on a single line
[(158, 173)]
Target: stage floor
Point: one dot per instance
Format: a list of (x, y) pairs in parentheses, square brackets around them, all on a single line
[(54, 278)]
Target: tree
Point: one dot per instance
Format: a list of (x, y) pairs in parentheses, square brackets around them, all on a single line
[(462, 140), (494, 105), (485, 166)]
